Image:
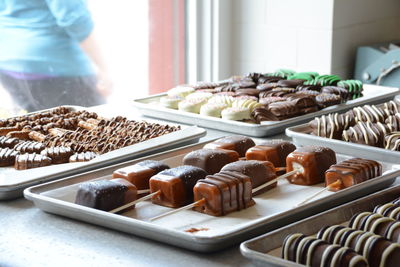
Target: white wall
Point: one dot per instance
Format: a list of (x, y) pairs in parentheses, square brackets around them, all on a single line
[(308, 35)]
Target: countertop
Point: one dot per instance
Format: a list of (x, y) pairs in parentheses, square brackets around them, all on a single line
[(31, 237)]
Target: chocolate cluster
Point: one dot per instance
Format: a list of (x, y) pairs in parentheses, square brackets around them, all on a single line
[(62, 135), (372, 125)]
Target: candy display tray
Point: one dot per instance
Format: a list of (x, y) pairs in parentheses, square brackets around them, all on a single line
[(266, 250), (13, 182), (273, 209), (149, 106), (301, 136)]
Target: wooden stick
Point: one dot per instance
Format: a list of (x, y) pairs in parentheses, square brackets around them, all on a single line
[(198, 203), (277, 169), (144, 191), (338, 182), (274, 180), (135, 202)]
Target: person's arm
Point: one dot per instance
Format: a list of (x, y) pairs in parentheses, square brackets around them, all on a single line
[(74, 17)]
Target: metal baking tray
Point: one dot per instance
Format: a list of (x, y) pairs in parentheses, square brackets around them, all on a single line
[(265, 250), (273, 209), (301, 136), (149, 106), (13, 182)]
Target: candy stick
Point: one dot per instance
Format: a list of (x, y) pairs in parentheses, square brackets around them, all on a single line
[(135, 201), (202, 201), (198, 203), (274, 180), (144, 191), (277, 169), (338, 182)]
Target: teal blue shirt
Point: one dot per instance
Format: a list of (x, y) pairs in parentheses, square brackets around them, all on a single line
[(43, 36)]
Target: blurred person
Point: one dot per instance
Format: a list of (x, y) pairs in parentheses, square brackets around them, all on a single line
[(49, 55)]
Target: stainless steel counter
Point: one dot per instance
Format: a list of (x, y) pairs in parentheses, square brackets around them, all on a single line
[(30, 237)]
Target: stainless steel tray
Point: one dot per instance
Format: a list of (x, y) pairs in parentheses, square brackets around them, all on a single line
[(265, 250), (274, 209), (13, 182), (148, 106), (301, 136)]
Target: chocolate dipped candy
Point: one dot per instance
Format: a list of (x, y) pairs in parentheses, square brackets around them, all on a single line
[(312, 251), (140, 173), (393, 122), (274, 151), (284, 109), (7, 157), (392, 141), (390, 210), (29, 161), (366, 133), (350, 172), (58, 154), (325, 100), (259, 172), (223, 192), (83, 156), (239, 143), (29, 147), (175, 186), (375, 223), (377, 250), (311, 162), (263, 114), (368, 113), (106, 194), (331, 126), (210, 160), (8, 142)]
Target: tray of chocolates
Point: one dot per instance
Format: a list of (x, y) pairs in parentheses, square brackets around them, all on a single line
[(261, 104), (365, 130), (58, 142), (212, 195), (364, 232)]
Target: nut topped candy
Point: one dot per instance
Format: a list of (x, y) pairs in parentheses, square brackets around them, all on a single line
[(140, 173), (311, 163), (210, 160), (274, 151), (175, 185), (239, 143)]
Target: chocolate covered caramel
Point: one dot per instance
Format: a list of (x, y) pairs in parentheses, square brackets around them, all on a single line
[(311, 162), (140, 173), (106, 194), (352, 171), (238, 143), (210, 160), (175, 185), (274, 151)]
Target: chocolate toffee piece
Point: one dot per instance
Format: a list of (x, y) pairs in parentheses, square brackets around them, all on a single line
[(266, 87), (284, 109), (311, 251), (304, 87), (248, 91), (325, 100), (390, 210), (29, 147), (274, 151), (366, 133), (58, 154), (175, 185), (9, 142), (351, 172), (259, 172), (238, 143), (210, 160), (392, 141), (308, 92), (263, 114), (290, 83), (7, 157), (343, 93), (106, 194), (331, 126), (393, 122), (311, 163), (83, 156), (29, 161), (268, 79), (140, 173), (271, 99)]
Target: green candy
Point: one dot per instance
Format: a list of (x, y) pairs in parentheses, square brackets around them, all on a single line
[(307, 76), (284, 73)]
